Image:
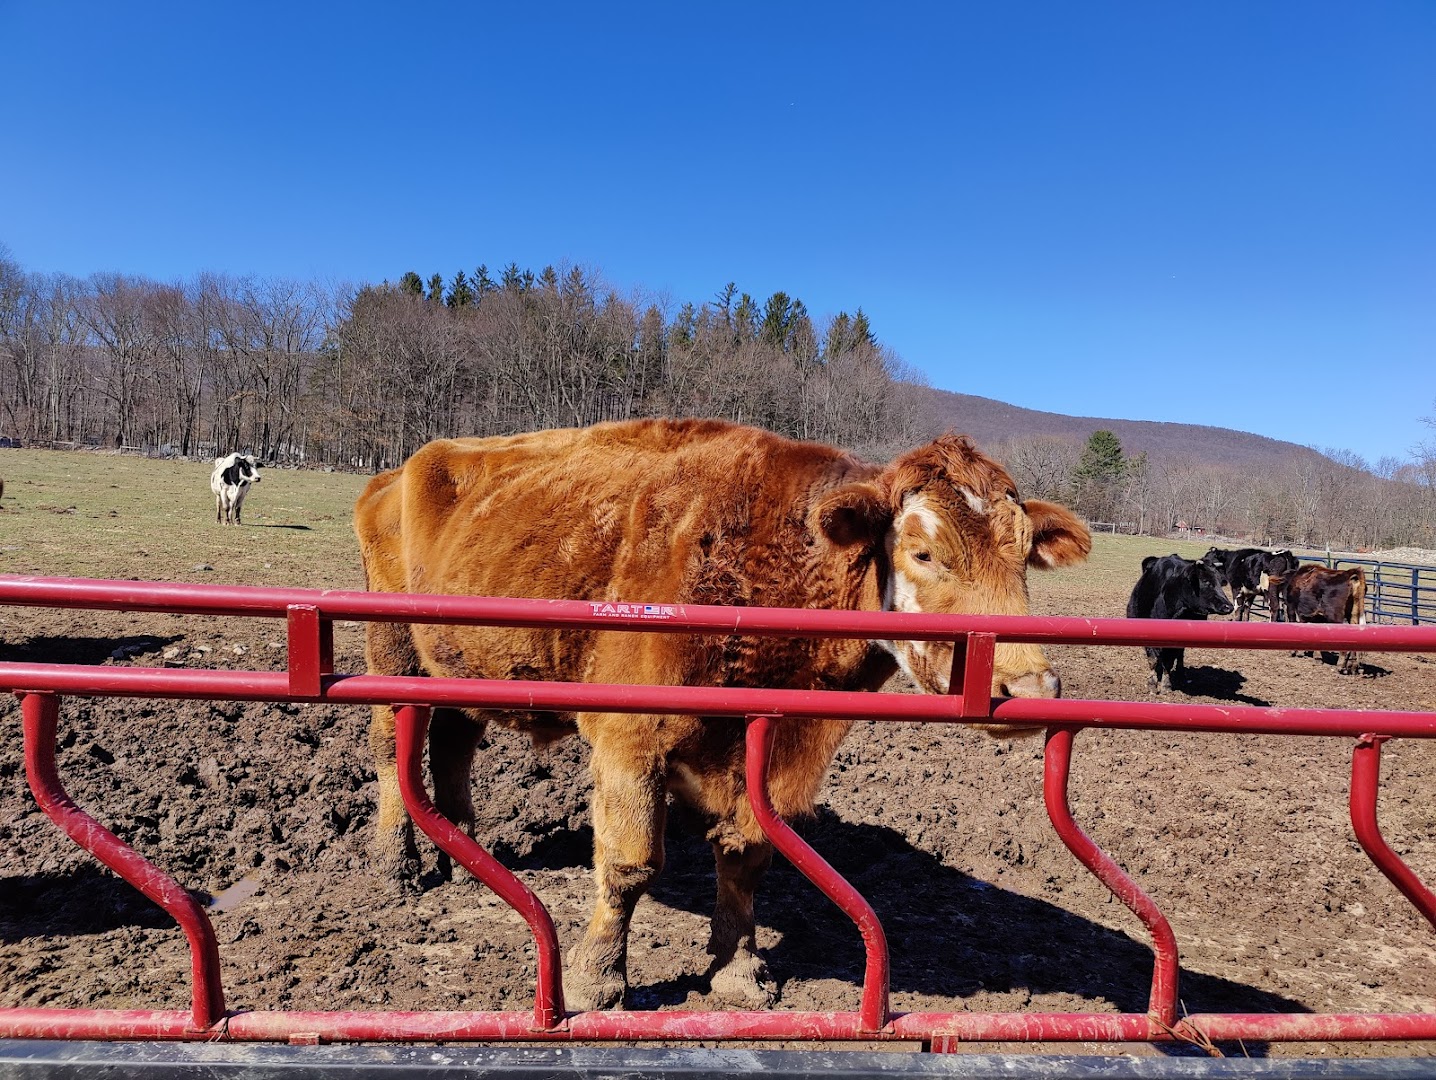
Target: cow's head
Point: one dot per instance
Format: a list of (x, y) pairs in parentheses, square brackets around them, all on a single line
[(1217, 559), (1205, 584), (953, 537), (1281, 561)]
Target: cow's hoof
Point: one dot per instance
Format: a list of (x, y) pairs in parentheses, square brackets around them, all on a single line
[(745, 982), (401, 872), (586, 991)]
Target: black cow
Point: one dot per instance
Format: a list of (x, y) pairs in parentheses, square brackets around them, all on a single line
[(1316, 594), (1172, 587), (1242, 571)]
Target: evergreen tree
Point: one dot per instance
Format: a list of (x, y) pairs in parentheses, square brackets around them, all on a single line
[(862, 332), (460, 293), (724, 300), (436, 288), (411, 283), (1097, 479), (684, 325), (840, 336), (1102, 459), (483, 284), (802, 338), (745, 319), (777, 314)]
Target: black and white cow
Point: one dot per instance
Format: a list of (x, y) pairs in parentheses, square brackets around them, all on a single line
[(1242, 571), (232, 477), (1172, 587)]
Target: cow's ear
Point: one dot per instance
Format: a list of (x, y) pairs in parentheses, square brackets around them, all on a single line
[(1058, 537), (853, 514)]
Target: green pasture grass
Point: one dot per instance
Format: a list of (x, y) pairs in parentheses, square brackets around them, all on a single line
[(1099, 587), (106, 515)]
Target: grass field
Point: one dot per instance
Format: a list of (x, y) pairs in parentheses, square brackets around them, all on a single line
[(69, 514), (124, 516)]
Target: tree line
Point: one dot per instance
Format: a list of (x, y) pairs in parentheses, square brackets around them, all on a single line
[(360, 377), (1316, 499)]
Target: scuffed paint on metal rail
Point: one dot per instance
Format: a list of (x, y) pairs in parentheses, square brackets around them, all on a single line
[(310, 677)]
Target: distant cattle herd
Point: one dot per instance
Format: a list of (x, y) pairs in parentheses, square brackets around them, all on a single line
[(1171, 587)]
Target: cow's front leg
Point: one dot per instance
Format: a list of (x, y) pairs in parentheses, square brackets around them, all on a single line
[(394, 851), (738, 974), (628, 817)]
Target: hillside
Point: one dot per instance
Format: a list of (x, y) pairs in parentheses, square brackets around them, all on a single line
[(990, 422)]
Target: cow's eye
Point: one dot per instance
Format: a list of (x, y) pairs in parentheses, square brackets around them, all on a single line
[(923, 556)]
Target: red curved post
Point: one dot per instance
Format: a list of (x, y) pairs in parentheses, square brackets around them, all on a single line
[(1365, 781), (40, 713), (1056, 767), (873, 1012), (411, 725)]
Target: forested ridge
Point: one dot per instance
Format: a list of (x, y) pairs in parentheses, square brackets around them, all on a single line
[(358, 377)]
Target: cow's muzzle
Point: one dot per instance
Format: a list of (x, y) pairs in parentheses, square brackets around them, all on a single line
[(1035, 684)]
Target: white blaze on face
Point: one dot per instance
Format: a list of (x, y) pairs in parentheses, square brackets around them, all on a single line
[(914, 524)]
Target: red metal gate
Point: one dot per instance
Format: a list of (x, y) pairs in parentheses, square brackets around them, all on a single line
[(310, 677)]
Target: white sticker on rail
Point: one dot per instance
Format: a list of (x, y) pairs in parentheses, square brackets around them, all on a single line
[(641, 611)]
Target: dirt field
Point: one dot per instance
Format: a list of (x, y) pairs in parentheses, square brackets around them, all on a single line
[(265, 809)]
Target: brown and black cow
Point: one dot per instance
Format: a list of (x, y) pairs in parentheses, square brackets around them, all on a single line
[(1317, 594), (695, 512)]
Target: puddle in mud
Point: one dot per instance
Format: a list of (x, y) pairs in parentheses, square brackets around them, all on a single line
[(230, 898)]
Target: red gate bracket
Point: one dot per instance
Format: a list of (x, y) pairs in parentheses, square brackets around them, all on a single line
[(1365, 782), (40, 716), (972, 659), (873, 1011), (1056, 767), (311, 649), (411, 727)]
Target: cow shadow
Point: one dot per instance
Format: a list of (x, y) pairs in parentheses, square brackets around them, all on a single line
[(949, 934), (82, 650), (1332, 659), (1216, 682), (260, 525), (83, 901)]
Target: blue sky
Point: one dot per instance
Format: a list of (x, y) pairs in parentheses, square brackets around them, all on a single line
[(1217, 213)]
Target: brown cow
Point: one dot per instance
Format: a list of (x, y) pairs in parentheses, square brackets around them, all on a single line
[(1317, 594), (696, 512)]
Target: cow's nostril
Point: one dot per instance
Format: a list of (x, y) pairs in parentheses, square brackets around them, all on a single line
[(1035, 684)]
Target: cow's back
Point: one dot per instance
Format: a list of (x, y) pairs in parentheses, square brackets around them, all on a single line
[(650, 511)]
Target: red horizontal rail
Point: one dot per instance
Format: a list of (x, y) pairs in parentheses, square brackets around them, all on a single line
[(310, 677), (87, 680), (259, 602), (338, 1026)]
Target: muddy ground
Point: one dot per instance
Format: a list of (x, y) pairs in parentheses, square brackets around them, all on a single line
[(265, 810)]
